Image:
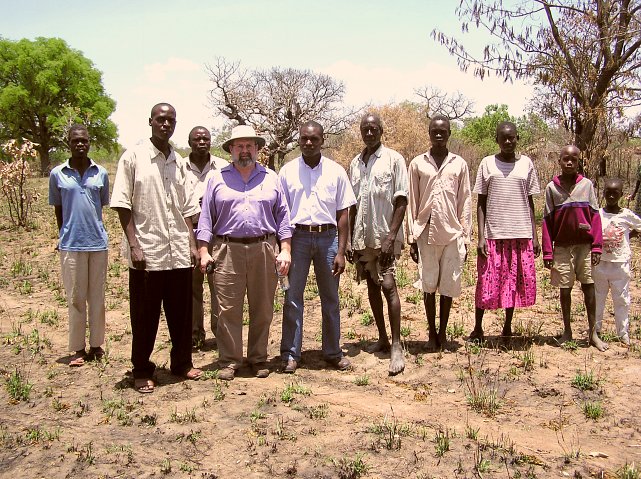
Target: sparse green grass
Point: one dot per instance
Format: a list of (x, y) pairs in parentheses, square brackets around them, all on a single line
[(402, 275), (482, 389), (585, 381), (570, 346), (390, 431), (415, 298), (18, 387), (454, 331), (628, 471), (406, 331), (609, 336), (318, 412), (527, 360), (442, 442), (21, 267), (351, 468), (350, 334), (593, 410), (471, 433), (367, 318), (293, 388), (362, 380), (36, 434), (189, 416)]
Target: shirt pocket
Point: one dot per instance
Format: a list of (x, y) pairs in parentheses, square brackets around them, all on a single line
[(327, 193), (382, 184)]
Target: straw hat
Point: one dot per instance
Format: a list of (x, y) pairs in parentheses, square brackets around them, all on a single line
[(244, 132)]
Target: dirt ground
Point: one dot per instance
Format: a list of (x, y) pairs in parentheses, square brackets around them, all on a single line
[(503, 409)]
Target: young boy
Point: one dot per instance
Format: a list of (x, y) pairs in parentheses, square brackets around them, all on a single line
[(613, 271), (572, 239)]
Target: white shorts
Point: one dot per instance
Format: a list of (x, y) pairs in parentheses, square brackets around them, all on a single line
[(440, 266)]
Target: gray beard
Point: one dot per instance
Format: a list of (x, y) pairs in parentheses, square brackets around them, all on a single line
[(244, 163)]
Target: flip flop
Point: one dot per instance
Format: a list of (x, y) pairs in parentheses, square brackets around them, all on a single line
[(78, 359), (144, 386)]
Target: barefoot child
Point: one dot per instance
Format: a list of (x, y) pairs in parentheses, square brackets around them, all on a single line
[(572, 239), (613, 271), (507, 243)]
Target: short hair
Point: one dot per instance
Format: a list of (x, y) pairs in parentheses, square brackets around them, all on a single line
[(375, 116), (197, 128), (504, 125), (159, 105), (313, 124), (440, 117), (76, 127), (613, 182)]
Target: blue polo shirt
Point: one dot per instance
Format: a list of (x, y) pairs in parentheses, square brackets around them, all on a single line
[(82, 199)]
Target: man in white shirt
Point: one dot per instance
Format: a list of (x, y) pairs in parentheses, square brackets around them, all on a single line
[(379, 179), (318, 194), (200, 166), (155, 210), (440, 219)]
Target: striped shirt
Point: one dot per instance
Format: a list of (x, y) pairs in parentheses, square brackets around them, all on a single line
[(507, 186)]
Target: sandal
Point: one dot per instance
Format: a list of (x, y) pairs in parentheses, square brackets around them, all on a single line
[(144, 386), (96, 354), (78, 359), (192, 374)]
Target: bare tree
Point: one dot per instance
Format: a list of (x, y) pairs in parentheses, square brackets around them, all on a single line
[(276, 101), (582, 54), (455, 106)]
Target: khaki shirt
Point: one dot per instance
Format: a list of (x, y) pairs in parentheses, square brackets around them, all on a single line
[(157, 192), (197, 179), (376, 186), (440, 199)]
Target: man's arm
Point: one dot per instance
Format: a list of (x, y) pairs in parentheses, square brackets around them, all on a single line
[(342, 222), (127, 224), (535, 237), (193, 248), (58, 211), (480, 222)]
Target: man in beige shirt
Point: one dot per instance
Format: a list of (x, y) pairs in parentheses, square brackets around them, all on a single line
[(201, 164), (155, 208), (440, 218)]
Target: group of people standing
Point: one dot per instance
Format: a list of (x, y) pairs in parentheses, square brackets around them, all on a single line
[(243, 226)]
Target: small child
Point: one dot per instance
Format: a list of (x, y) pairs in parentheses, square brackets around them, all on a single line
[(613, 271), (572, 239)]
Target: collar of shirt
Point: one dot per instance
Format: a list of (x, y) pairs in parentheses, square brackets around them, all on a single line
[(428, 157), (231, 170), (377, 154), (157, 152), (66, 164)]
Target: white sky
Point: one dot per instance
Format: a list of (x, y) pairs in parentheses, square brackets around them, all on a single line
[(156, 51)]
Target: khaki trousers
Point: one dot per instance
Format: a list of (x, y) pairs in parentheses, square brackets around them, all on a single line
[(84, 274), (244, 269)]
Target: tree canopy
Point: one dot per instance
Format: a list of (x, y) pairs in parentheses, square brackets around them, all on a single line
[(582, 54), (45, 86), (276, 101)]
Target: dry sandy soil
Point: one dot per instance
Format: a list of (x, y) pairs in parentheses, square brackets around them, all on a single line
[(503, 409)]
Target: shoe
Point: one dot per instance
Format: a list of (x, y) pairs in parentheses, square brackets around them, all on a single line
[(260, 370), (96, 354), (341, 364), (78, 359), (226, 373), (290, 366)]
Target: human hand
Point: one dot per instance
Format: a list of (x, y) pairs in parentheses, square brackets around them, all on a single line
[(548, 263), (204, 261), (387, 252), (536, 247), (137, 257), (283, 261), (339, 265), (349, 253), (481, 248), (195, 257), (414, 252), (596, 258)]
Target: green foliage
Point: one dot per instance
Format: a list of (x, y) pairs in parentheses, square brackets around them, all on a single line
[(45, 86), (18, 387)]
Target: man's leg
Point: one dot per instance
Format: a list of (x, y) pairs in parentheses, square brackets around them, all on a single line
[(507, 326), (477, 332), (397, 363), (590, 307), (324, 252), (144, 308), (445, 305), (565, 297), (600, 274), (177, 306), (74, 266), (429, 301), (292, 332), (261, 288), (213, 315), (197, 313), (376, 304), (98, 261), (621, 299)]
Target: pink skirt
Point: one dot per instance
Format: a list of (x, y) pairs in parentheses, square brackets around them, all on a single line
[(507, 277)]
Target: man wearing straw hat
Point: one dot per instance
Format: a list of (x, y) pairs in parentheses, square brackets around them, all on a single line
[(243, 214)]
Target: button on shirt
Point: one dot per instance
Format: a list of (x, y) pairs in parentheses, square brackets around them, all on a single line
[(314, 195), (243, 210), (440, 199), (81, 199), (197, 180), (157, 192), (376, 186)]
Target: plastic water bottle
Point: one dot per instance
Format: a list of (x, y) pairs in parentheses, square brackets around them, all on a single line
[(283, 281)]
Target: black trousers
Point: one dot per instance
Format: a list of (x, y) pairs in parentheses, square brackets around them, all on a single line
[(148, 290)]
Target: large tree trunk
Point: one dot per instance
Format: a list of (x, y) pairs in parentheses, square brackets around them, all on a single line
[(45, 167)]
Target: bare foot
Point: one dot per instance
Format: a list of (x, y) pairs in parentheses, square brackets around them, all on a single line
[(477, 335), (432, 344), (442, 339), (597, 343), (397, 363), (507, 332), (565, 337), (380, 346)]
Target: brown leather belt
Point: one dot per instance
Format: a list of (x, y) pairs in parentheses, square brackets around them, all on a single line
[(231, 239), (315, 228)]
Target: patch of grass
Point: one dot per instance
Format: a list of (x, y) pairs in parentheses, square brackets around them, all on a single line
[(415, 298), (471, 433), (21, 267), (351, 468), (406, 331), (527, 360), (119, 409), (49, 317), (482, 389), (165, 466), (362, 380), (318, 412), (367, 318), (454, 330), (593, 410), (390, 431), (288, 394), (350, 334), (149, 420), (189, 416), (25, 287), (609, 336), (628, 471), (36, 435), (571, 346), (18, 387), (402, 276), (585, 381), (442, 442)]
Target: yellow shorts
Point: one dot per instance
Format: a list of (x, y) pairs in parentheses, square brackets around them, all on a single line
[(572, 263)]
